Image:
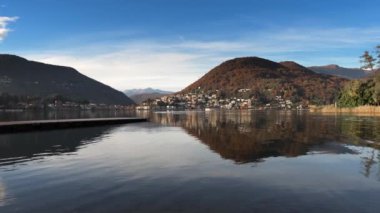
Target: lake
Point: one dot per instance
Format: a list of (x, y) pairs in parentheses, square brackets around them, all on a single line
[(234, 161)]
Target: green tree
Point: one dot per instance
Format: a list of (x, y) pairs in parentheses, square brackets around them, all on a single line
[(376, 92), (368, 61), (378, 55), (366, 91), (349, 96), (361, 92)]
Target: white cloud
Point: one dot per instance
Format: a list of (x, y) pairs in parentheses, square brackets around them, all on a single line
[(134, 68), (4, 21), (175, 64)]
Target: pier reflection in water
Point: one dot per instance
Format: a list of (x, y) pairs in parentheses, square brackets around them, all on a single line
[(234, 161), (22, 147)]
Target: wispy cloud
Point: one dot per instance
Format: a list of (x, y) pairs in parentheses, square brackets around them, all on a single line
[(329, 38), (4, 21), (128, 67), (174, 64)]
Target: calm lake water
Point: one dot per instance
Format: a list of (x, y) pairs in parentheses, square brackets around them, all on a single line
[(252, 161)]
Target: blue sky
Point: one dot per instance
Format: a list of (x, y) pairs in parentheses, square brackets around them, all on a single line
[(168, 44)]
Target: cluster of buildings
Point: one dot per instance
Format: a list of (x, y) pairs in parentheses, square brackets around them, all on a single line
[(62, 106), (202, 100), (87, 106)]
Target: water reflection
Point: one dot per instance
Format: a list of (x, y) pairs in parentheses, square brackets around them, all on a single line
[(252, 136), (261, 162), (21, 147), (2, 194)]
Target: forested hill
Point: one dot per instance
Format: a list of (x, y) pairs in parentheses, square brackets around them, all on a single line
[(19, 76), (265, 79)]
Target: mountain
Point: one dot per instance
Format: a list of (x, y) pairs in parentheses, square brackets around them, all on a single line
[(140, 98), (19, 76), (148, 90), (333, 69), (264, 80), (141, 95)]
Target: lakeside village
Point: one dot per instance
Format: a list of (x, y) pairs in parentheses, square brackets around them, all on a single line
[(21, 103), (208, 101), (64, 106), (198, 100)]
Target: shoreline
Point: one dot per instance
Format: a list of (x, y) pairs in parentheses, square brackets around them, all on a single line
[(355, 110)]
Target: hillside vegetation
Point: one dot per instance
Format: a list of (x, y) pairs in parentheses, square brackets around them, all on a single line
[(263, 80), (21, 77), (361, 92)]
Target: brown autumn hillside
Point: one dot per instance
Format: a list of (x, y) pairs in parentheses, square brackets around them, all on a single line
[(267, 79)]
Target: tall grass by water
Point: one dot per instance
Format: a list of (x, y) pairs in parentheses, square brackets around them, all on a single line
[(333, 109)]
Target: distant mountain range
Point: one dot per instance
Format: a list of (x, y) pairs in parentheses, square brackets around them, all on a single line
[(19, 76), (333, 69), (265, 79), (141, 95), (131, 92)]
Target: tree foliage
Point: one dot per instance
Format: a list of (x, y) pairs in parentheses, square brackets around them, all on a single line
[(378, 55), (361, 92), (365, 91), (368, 61)]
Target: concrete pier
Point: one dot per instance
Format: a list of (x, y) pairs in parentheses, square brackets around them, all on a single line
[(22, 126)]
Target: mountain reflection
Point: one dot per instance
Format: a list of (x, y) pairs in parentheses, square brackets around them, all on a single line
[(16, 148), (252, 136)]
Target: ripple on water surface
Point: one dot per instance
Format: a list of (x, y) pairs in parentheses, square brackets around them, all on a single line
[(196, 161)]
